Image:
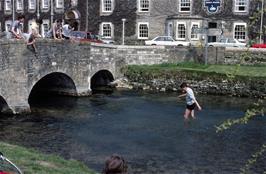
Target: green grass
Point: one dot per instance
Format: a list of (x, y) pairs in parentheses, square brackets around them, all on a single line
[(248, 71), (33, 162)]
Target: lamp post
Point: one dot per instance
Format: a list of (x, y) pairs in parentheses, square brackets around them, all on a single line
[(261, 19), (123, 31), (13, 10)]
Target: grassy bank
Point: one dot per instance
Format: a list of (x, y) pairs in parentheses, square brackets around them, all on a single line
[(248, 71), (32, 162)]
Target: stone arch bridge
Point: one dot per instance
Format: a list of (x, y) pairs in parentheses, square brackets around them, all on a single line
[(77, 68), (66, 67)]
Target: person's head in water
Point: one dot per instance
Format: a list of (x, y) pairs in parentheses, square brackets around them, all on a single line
[(115, 164)]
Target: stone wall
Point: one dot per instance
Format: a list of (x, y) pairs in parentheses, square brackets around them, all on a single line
[(251, 56), (201, 82)]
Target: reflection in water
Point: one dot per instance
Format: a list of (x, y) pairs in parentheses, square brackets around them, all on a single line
[(147, 129)]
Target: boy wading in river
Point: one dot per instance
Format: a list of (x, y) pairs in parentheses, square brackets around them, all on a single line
[(190, 100)]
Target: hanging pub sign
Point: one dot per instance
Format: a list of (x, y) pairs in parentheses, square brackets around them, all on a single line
[(212, 5)]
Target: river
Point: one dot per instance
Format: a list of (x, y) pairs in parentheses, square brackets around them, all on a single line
[(147, 129)]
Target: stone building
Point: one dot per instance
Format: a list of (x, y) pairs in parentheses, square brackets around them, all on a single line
[(193, 20), (103, 17), (187, 20), (33, 9)]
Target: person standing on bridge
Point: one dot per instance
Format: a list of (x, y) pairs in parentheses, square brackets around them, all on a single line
[(190, 101), (16, 29)]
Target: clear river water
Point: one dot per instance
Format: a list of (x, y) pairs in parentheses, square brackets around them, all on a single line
[(147, 129)]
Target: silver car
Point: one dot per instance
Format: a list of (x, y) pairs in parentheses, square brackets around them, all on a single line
[(166, 40), (227, 42)]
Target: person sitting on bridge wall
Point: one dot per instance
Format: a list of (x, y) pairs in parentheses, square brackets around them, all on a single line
[(16, 28), (30, 39), (66, 31), (35, 25), (56, 30)]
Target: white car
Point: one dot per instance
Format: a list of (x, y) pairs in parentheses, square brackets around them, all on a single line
[(166, 40), (227, 42)]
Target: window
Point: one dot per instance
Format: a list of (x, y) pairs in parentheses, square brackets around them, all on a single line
[(8, 5), (32, 4), (45, 4), (194, 34), (144, 5), (106, 30), (184, 5), (143, 30), (107, 5), (19, 4), (212, 25), (45, 27), (8, 25), (59, 3), (181, 31), (241, 5), (240, 31), (74, 2)]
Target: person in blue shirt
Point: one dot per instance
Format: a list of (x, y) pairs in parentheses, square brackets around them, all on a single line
[(190, 101)]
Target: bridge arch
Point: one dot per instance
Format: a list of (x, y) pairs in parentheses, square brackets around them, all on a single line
[(4, 107), (53, 83), (102, 78)]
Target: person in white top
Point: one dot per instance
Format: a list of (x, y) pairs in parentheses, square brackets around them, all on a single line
[(190, 101), (66, 31)]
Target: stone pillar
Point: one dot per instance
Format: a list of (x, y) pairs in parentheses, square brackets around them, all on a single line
[(83, 91), (19, 108)]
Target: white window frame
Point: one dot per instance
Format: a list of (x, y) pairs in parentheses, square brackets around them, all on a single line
[(45, 22), (59, 4), (19, 5), (45, 5), (9, 22), (104, 7), (144, 5), (194, 34), (111, 30), (181, 5), (240, 24), (74, 2), (238, 4), (32, 4), (177, 30), (143, 23), (8, 5)]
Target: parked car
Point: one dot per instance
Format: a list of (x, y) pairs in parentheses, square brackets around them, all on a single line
[(258, 45), (227, 42), (166, 40), (85, 36), (106, 40)]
